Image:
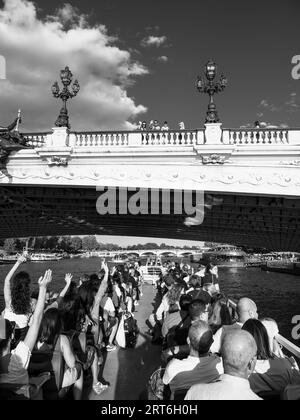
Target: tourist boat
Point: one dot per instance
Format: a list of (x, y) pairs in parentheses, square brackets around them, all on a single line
[(120, 259), (225, 256), (152, 272), (45, 257), (8, 259)]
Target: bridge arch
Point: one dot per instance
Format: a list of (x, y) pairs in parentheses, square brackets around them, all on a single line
[(148, 254), (185, 254), (167, 254), (133, 253)]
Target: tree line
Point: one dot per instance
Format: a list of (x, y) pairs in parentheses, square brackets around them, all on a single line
[(72, 244)]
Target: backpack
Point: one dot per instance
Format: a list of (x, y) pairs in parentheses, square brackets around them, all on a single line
[(131, 331)]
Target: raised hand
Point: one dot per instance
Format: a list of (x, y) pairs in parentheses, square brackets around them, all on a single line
[(104, 266), (23, 258), (44, 281), (68, 278)]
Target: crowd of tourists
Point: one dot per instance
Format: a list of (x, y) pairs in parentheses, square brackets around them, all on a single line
[(212, 350), (52, 346)]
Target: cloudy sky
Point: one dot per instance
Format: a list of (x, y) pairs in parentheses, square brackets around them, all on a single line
[(139, 59)]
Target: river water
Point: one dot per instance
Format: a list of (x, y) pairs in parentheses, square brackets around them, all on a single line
[(277, 295)]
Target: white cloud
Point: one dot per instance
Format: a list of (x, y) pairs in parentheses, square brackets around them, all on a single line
[(36, 50), (292, 102), (264, 104), (163, 59), (153, 41)]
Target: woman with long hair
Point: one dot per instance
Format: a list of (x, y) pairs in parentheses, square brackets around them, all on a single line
[(220, 315), (90, 295), (271, 372), (53, 352), (17, 296)]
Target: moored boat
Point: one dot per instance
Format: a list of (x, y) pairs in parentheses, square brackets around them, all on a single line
[(45, 257), (226, 256)]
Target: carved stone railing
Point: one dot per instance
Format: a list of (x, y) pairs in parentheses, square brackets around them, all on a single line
[(258, 136), (213, 135), (101, 139), (36, 140), (169, 138)]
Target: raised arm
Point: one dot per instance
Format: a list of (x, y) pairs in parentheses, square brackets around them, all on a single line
[(33, 331), (7, 288), (101, 291), (68, 280)]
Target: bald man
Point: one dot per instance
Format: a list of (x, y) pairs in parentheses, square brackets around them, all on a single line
[(246, 309), (200, 366), (239, 359)]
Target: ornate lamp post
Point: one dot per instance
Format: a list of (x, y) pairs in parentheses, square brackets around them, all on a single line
[(211, 88), (66, 78)]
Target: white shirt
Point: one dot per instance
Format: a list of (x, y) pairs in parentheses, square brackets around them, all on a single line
[(274, 375), (22, 321), (227, 388), (182, 374), (218, 337), (163, 308), (109, 306)]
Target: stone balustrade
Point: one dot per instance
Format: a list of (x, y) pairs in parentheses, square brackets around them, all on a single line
[(258, 136), (169, 138), (212, 135), (36, 140), (105, 139)]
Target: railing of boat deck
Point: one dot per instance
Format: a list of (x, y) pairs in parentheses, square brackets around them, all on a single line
[(284, 342)]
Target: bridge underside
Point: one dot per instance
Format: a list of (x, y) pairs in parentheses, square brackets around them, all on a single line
[(254, 221)]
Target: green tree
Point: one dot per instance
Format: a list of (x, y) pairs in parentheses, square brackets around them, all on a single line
[(76, 244), (10, 245), (89, 243)]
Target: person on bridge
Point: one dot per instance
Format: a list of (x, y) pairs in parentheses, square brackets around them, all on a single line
[(239, 359)]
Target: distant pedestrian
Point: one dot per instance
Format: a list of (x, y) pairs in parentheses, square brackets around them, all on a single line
[(165, 126)]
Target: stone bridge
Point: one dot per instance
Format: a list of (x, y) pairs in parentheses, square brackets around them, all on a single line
[(251, 181)]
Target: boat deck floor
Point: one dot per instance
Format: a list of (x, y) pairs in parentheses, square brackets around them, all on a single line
[(128, 370)]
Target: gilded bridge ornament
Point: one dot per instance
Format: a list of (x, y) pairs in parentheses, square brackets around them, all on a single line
[(11, 140)]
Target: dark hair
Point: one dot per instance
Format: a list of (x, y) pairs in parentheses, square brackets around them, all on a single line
[(35, 294), (220, 316), (51, 326), (195, 281), (86, 296), (68, 308), (84, 277), (196, 308), (169, 280), (20, 294), (185, 301), (260, 335)]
